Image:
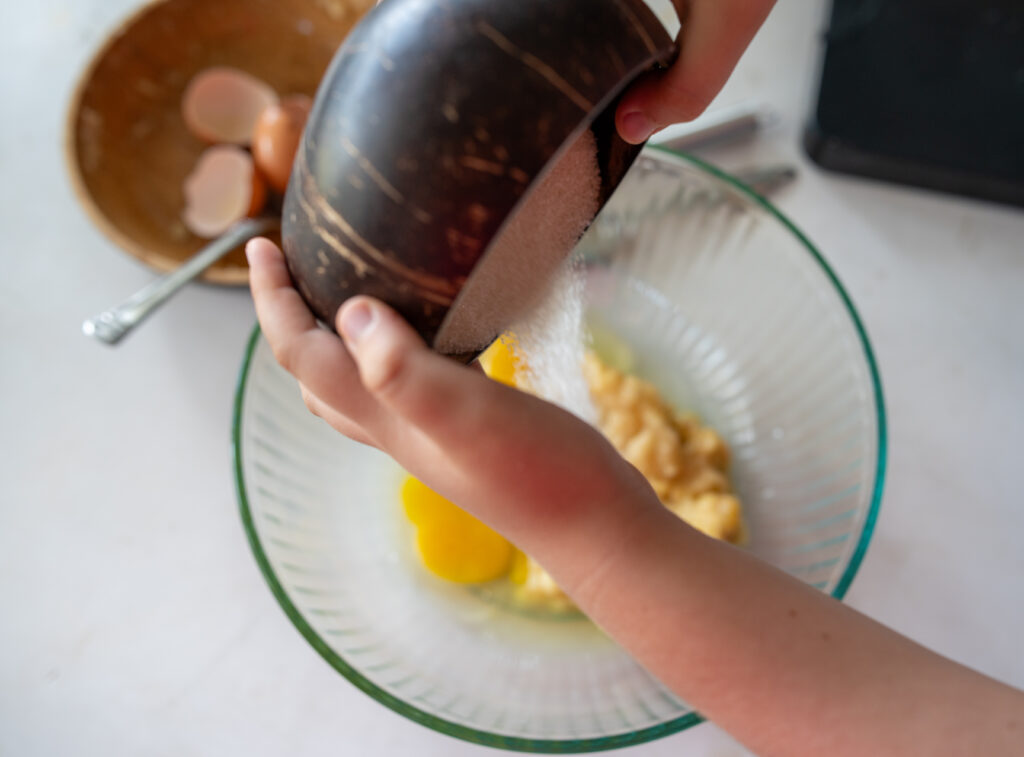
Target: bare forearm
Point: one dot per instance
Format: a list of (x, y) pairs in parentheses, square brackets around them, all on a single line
[(787, 670), (784, 668)]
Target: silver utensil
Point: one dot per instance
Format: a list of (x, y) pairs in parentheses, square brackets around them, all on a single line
[(728, 124), (765, 180), (112, 325), (719, 125)]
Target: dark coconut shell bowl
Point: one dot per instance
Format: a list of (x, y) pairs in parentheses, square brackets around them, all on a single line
[(435, 121)]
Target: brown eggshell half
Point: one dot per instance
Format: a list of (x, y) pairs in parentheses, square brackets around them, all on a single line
[(223, 188), (222, 104)]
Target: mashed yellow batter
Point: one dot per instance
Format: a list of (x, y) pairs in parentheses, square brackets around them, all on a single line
[(685, 462)]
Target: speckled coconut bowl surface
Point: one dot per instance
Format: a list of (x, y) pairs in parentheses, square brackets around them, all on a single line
[(434, 122)]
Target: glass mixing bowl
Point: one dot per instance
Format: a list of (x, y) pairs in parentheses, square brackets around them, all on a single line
[(733, 314)]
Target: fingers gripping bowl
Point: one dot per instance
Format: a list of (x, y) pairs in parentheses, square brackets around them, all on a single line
[(732, 314)]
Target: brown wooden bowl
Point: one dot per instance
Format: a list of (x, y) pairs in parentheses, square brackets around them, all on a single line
[(127, 148)]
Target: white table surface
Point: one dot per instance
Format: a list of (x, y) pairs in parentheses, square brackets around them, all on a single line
[(134, 618)]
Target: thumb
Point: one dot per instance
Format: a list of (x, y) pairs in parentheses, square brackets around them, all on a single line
[(432, 392)]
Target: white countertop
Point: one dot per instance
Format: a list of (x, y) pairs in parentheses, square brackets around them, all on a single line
[(134, 618)]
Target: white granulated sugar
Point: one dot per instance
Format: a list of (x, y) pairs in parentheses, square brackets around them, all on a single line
[(513, 277), (550, 342)]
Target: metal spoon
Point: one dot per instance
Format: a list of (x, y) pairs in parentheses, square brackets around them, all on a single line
[(111, 325), (723, 124)]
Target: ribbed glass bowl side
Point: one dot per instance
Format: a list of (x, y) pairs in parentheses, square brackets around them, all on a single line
[(734, 315)]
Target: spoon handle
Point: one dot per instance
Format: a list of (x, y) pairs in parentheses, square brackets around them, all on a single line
[(111, 325)]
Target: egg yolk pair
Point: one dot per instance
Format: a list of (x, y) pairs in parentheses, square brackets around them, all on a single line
[(452, 543)]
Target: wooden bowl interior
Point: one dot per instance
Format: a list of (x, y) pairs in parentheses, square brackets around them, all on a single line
[(128, 149)]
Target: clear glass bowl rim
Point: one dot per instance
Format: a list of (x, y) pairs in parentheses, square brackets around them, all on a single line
[(561, 746)]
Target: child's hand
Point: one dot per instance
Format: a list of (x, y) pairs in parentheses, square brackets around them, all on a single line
[(535, 473), (713, 37), (785, 668)]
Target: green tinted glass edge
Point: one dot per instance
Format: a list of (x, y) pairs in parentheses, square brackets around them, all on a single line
[(551, 746), (867, 531)]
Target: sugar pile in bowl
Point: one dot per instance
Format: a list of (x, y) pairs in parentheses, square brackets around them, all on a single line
[(530, 280)]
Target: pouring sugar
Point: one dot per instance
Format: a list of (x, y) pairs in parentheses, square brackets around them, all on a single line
[(513, 278), (551, 340), (529, 279)]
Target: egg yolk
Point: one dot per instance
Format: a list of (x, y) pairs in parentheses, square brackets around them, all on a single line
[(452, 543), (520, 569), (500, 361)]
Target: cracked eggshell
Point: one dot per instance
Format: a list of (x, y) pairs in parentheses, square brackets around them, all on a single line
[(432, 124), (221, 104), (223, 188)]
